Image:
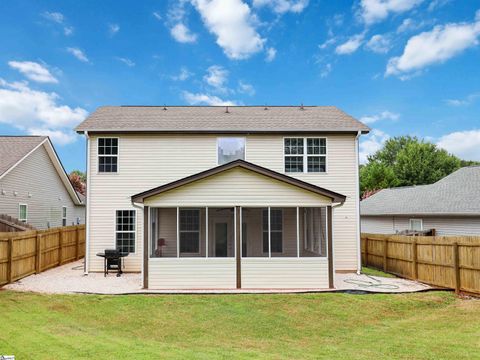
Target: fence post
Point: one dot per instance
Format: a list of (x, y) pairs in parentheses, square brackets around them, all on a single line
[(60, 247), (10, 261), (77, 242), (385, 248), (38, 253), (456, 267), (365, 261), (414, 259)]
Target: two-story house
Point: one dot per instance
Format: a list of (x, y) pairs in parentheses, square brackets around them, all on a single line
[(224, 197), (34, 187)]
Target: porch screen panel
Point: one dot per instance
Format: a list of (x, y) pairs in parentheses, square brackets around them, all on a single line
[(254, 231), (221, 232), (163, 227), (283, 226), (192, 232), (313, 232)]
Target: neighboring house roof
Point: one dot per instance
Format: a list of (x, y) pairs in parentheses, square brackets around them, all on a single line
[(336, 197), (14, 149), (455, 194), (221, 119)]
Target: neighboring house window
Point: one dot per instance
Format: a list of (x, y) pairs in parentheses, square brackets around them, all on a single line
[(22, 212), (276, 230), (125, 230), (230, 149), (64, 216), (416, 224), (107, 155), (305, 155), (189, 231)]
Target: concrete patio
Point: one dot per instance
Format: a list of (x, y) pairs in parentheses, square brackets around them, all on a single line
[(70, 279)]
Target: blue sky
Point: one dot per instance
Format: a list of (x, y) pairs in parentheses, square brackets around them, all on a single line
[(403, 67)]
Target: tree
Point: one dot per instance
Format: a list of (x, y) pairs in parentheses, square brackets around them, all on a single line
[(78, 180), (405, 161)]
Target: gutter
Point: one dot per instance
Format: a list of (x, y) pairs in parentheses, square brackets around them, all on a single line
[(357, 203), (87, 209)]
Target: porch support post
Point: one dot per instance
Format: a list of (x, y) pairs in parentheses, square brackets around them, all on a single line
[(206, 232), (178, 232), (269, 235), (146, 222), (237, 245), (330, 248)]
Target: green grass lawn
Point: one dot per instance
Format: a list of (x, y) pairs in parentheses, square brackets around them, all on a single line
[(375, 272), (432, 325)]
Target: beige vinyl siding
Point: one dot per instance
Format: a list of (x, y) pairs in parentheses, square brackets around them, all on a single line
[(37, 176), (443, 225), (300, 273), (151, 160), (192, 273), (237, 187), (377, 224)]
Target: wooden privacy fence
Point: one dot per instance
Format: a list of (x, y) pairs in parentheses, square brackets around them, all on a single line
[(446, 261), (31, 252)]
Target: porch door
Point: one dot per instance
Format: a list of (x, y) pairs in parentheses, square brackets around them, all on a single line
[(221, 237)]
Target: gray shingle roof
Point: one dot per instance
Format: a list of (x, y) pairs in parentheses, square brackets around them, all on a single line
[(455, 194), (14, 148), (216, 119)]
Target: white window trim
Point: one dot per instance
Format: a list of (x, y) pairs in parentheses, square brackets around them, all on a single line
[(117, 156), (122, 231), (64, 215), (410, 227), (186, 254), (236, 137), (305, 155), (26, 212)]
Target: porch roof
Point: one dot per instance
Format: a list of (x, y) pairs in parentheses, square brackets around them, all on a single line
[(240, 164)]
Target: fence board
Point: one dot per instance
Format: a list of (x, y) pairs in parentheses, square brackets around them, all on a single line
[(29, 252), (446, 261)]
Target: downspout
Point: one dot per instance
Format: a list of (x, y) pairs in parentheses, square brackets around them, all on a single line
[(357, 204), (87, 209)]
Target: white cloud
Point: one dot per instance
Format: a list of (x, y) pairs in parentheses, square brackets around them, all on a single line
[(216, 77), (113, 29), (371, 144), (79, 54), (181, 33), (271, 54), (463, 102), (464, 144), (435, 4), (126, 61), (351, 45), (246, 88), (58, 18), (327, 69), (32, 110), (328, 42), (372, 11), (283, 6), (183, 75), (60, 137), (410, 24), (384, 115), (157, 15), (232, 22), (33, 71), (435, 46), (379, 44), (205, 99)]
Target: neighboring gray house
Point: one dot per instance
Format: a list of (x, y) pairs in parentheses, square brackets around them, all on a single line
[(34, 187), (451, 206)]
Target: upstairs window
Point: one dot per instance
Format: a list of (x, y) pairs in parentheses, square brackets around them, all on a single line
[(107, 155), (305, 155), (230, 149)]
